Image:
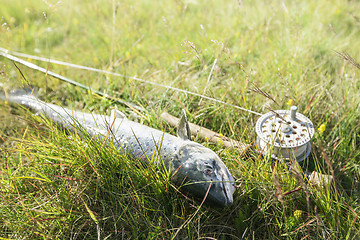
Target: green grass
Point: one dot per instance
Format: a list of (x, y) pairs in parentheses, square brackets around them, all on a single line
[(53, 185)]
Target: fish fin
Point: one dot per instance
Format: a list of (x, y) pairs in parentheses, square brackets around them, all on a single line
[(116, 114), (183, 130)]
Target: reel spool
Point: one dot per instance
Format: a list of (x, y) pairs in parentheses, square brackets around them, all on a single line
[(285, 132)]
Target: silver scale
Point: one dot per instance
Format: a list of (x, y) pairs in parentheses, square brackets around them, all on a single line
[(286, 134)]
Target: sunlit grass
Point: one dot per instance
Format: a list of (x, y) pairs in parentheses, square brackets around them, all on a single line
[(55, 185)]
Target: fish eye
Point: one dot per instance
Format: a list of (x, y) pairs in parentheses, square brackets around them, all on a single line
[(208, 171)]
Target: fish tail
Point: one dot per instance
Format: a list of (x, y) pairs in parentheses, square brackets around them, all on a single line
[(17, 95)]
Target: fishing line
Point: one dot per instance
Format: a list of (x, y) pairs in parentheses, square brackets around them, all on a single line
[(68, 80), (4, 52)]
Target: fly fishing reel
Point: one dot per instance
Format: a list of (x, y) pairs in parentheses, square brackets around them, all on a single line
[(285, 133)]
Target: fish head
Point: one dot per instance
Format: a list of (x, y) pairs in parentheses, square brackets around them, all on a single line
[(201, 172)]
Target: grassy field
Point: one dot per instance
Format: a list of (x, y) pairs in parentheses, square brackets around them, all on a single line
[(58, 186)]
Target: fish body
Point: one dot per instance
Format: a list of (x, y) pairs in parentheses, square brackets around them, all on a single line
[(199, 169)]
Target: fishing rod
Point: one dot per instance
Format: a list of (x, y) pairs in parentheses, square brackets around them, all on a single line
[(286, 134)]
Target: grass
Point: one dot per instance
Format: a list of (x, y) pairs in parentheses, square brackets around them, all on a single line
[(58, 186)]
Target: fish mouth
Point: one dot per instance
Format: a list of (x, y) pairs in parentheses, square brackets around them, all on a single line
[(228, 196), (227, 188), (222, 194)]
